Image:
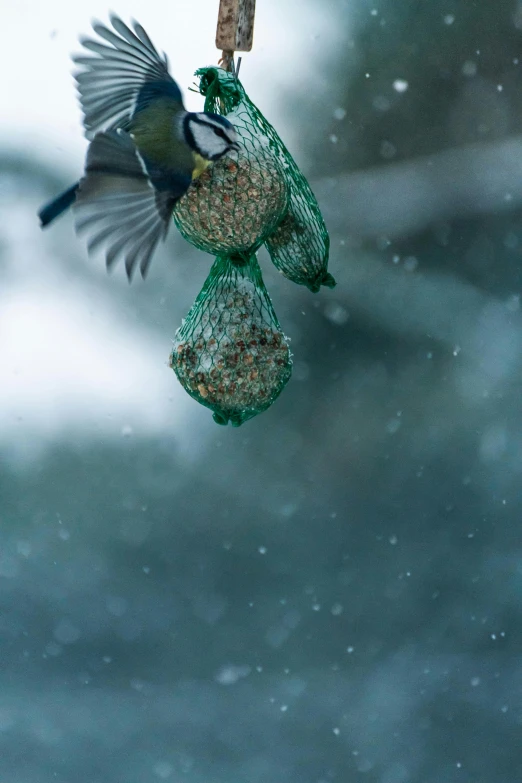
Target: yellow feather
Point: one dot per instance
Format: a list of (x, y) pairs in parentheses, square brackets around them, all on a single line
[(200, 164)]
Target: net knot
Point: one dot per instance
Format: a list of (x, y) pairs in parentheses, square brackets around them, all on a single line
[(219, 88)]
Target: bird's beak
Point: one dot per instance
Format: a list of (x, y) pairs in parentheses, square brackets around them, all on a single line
[(236, 146)]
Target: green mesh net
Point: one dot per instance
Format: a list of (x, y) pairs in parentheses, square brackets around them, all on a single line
[(239, 200), (300, 244), (257, 196), (230, 353)]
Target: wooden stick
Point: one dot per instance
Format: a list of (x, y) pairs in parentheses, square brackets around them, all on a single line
[(226, 60), (235, 27)]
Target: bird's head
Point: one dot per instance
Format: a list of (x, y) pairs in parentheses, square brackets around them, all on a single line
[(210, 135)]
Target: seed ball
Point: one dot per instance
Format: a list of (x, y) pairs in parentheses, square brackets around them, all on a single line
[(233, 361), (234, 205), (299, 251)]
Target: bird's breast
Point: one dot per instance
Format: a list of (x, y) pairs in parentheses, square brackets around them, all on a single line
[(200, 164)]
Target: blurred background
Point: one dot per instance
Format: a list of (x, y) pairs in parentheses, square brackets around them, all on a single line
[(333, 591)]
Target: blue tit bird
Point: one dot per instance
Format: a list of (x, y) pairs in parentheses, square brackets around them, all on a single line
[(145, 148)]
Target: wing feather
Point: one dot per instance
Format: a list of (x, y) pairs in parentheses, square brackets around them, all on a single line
[(111, 80), (117, 205)]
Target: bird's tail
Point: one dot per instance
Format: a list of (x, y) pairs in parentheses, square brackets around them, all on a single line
[(54, 208)]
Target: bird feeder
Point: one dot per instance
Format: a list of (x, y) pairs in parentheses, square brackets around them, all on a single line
[(230, 352)]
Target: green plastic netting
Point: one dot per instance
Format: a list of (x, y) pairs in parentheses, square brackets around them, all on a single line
[(239, 200), (230, 353), (256, 197)]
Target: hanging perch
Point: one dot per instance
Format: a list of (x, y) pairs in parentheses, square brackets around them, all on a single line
[(235, 27)]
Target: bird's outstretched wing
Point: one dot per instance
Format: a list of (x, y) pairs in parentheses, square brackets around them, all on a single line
[(121, 76), (117, 205)]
